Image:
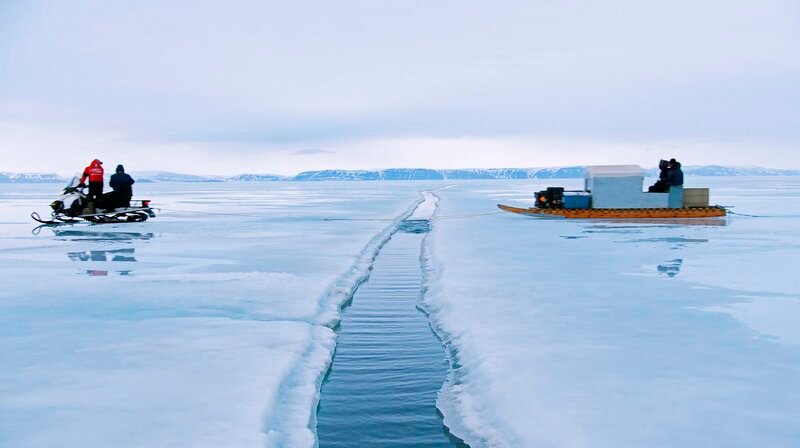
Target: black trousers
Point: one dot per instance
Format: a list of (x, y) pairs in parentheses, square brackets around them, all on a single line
[(124, 200), (95, 192)]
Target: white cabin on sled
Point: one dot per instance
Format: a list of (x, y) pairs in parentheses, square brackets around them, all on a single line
[(622, 186)]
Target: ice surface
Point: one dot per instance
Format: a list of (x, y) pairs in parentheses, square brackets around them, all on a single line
[(211, 325), (569, 333), (191, 329)]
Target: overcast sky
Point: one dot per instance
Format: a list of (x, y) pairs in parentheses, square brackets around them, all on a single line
[(280, 87)]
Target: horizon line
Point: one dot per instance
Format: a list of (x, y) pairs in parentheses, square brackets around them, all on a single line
[(398, 168)]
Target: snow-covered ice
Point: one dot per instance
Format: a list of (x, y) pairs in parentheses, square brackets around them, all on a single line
[(426, 208), (187, 330), (598, 334), (214, 329)]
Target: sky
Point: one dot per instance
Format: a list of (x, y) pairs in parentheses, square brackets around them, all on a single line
[(247, 86)]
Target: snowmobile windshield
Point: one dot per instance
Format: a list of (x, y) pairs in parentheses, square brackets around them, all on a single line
[(74, 182)]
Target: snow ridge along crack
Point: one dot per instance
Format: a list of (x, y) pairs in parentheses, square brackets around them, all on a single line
[(453, 401)]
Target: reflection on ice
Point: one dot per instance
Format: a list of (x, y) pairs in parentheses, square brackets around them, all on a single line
[(621, 230), (660, 223), (82, 235), (670, 239), (674, 241), (60, 231), (104, 273), (122, 255), (671, 268)]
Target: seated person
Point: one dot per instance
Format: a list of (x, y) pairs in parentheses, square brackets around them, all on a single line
[(121, 182), (674, 174), (661, 185)]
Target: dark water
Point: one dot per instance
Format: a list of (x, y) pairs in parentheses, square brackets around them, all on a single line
[(389, 366)]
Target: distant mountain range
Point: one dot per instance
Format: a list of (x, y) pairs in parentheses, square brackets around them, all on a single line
[(717, 170), (257, 178), (570, 172), (166, 176), (455, 174), (29, 178)]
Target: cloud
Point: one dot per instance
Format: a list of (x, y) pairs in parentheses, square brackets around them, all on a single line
[(68, 150), (251, 80), (311, 152)]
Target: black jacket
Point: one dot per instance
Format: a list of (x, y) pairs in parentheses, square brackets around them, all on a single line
[(121, 183), (675, 176)]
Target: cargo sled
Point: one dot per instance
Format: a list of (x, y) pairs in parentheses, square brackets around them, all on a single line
[(615, 192)]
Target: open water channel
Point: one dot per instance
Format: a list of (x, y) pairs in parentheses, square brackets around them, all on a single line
[(389, 365)]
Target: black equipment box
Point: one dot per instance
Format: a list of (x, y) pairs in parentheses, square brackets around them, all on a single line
[(553, 197)]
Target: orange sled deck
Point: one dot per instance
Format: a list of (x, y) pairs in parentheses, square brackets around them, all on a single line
[(619, 213)]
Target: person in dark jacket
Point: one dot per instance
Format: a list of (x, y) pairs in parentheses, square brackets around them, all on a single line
[(661, 184), (675, 174), (94, 172), (122, 183)]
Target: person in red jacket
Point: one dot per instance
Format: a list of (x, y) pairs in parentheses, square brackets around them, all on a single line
[(94, 172)]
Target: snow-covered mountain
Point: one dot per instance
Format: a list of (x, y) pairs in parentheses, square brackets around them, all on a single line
[(453, 174), (166, 176), (717, 170), (257, 178), (337, 175), (570, 172), (30, 178)]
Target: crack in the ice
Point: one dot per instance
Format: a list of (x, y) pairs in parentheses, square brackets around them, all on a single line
[(328, 315), (419, 223)]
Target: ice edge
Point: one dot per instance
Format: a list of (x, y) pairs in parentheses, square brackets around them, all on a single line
[(451, 402)]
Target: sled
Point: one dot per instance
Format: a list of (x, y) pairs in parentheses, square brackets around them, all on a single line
[(619, 213)]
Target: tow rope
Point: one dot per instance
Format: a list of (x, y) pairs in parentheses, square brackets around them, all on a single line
[(246, 215)]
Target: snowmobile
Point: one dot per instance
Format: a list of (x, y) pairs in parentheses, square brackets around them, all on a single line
[(71, 207)]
